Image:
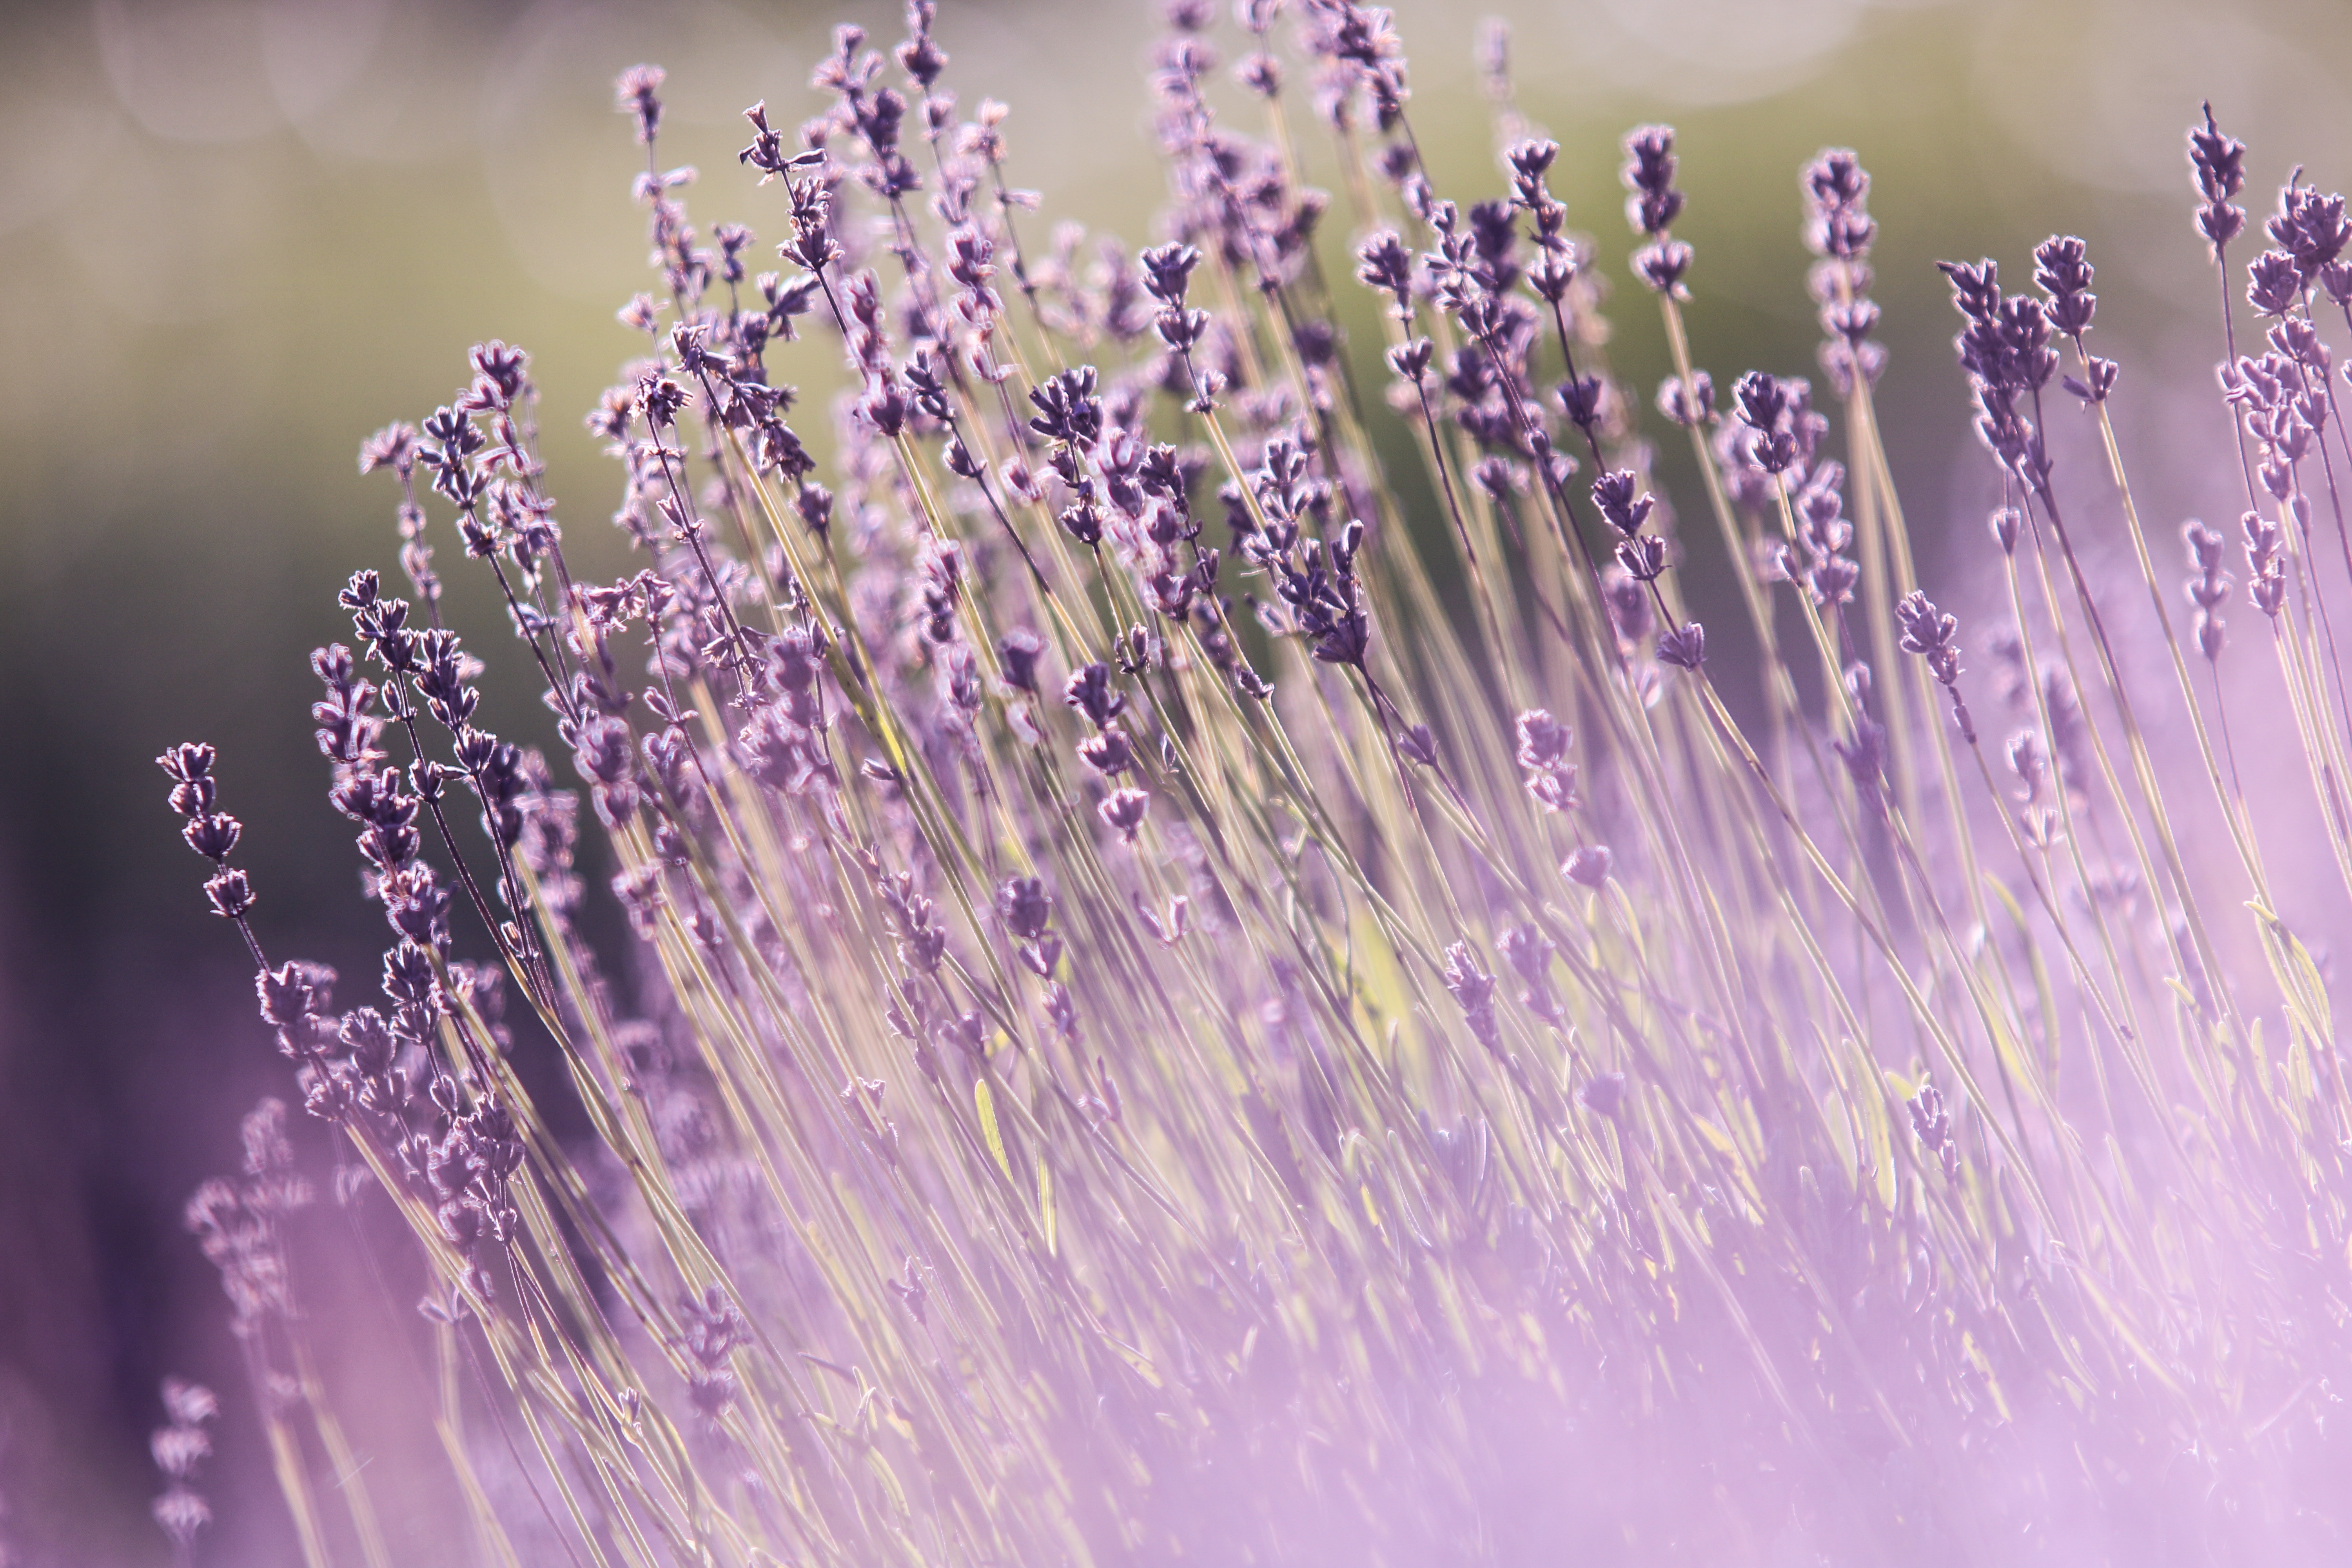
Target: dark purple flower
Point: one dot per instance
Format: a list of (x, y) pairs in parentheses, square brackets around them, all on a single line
[(2097, 380), (638, 91), (1661, 266), (1762, 402), (2335, 280), (1649, 173), (1109, 751), (1023, 903), (186, 764), (1069, 410), (213, 836), (1691, 404), (2063, 270), (1168, 272), (1581, 400), (1931, 634), (2273, 283), (2025, 339), (2217, 163), (1765, 405), (1975, 291), (2217, 168), (1384, 263), (1543, 740), (2311, 226), (1683, 647), (1123, 811), (1018, 652), (231, 894), (1090, 692), (1835, 187), (919, 57), (1474, 991), (1644, 558), (1933, 1125), (1614, 494)]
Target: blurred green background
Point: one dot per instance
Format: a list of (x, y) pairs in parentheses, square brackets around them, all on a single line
[(236, 236)]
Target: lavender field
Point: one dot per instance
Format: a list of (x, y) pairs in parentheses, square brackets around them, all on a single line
[(1249, 783)]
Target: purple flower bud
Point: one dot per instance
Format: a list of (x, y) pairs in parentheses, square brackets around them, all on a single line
[(1629, 604), (1975, 291), (1931, 634), (2215, 162), (2311, 226), (1474, 990), (1649, 173), (1644, 558), (363, 1035), (1688, 404), (1181, 329), (1543, 740), (2063, 270), (1068, 411), (1526, 949), (2220, 223), (1018, 651), (1661, 266), (1089, 691), (1108, 751), (1762, 400), (289, 993), (1384, 263), (1835, 186), (604, 750), (394, 448), (884, 407), (1023, 903), (1613, 493), (1552, 276), (1168, 272), (2273, 283), (195, 798), (1683, 647), (212, 836), (1589, 867), (1042, 956), (188, 762), (1411, 360), (231, 894), (2204, 545), (1581, 400), (1123, 811), (638, 91), (2101, 375)]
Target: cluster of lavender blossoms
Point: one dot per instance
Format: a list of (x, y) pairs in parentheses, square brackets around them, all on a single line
[(1218, 968)]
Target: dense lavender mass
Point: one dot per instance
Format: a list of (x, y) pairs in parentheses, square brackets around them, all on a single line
[(1208, 970)]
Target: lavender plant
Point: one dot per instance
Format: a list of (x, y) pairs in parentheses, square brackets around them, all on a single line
[(1212, 973)]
